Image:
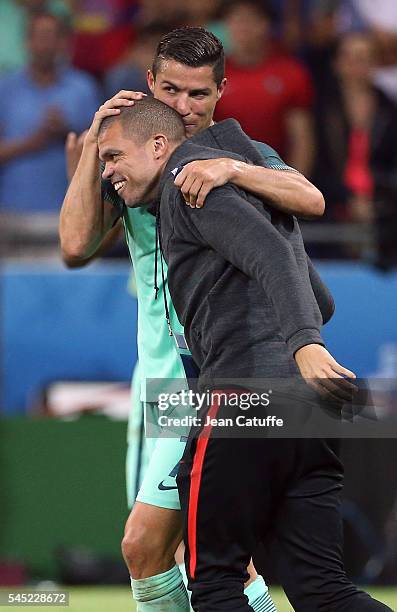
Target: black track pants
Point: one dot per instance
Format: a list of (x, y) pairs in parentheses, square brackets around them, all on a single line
[(235, 492)]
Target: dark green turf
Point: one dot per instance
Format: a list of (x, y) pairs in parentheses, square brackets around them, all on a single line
[(118, 599)]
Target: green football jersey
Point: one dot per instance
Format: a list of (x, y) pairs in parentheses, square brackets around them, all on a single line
[(157, 351)]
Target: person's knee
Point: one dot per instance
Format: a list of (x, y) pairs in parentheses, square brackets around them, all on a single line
[(146, 552)]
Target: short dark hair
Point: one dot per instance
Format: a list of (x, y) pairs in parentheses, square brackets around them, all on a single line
[(195, 47), (146, 118)]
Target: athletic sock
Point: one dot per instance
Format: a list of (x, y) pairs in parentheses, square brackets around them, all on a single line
[(259, 597), (162, 593)]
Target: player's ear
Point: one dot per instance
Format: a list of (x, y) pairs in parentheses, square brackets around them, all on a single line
[(221, 89), (150, 80), (159, 146)]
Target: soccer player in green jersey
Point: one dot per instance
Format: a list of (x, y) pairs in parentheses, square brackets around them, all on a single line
[(188, 75)]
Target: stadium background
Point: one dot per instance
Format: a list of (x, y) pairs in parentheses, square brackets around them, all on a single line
[(68, 337)]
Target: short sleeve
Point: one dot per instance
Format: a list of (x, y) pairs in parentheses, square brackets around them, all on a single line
[(272, 158)]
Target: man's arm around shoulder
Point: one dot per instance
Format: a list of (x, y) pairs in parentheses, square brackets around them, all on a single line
[(280, 186)]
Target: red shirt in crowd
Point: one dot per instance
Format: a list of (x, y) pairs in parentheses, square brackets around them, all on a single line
[(260, 97), (103, 30), (357, 175)]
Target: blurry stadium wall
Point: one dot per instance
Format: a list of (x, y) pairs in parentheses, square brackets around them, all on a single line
[(62, 486), (64, 325), (81, 325)]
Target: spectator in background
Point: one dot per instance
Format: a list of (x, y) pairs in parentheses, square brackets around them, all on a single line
[(312, 30), (132, 74), (171, 14), (381, 19), (205, 14), (268, 92), (103, 31), (357, 131), (13, 17), (40, 104), (345, 116)]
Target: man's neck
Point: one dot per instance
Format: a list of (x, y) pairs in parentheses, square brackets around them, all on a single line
[(153, 189), (172, 149)]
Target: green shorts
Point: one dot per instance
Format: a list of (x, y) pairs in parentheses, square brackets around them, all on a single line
[(139, 448), (152, 463)]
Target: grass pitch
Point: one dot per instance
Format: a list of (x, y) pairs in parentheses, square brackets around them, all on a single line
[(119, 599)]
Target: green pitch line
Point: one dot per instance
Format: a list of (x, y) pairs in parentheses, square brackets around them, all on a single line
[(119, 599)]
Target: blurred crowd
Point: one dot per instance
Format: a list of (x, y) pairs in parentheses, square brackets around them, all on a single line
[(315, 79)]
